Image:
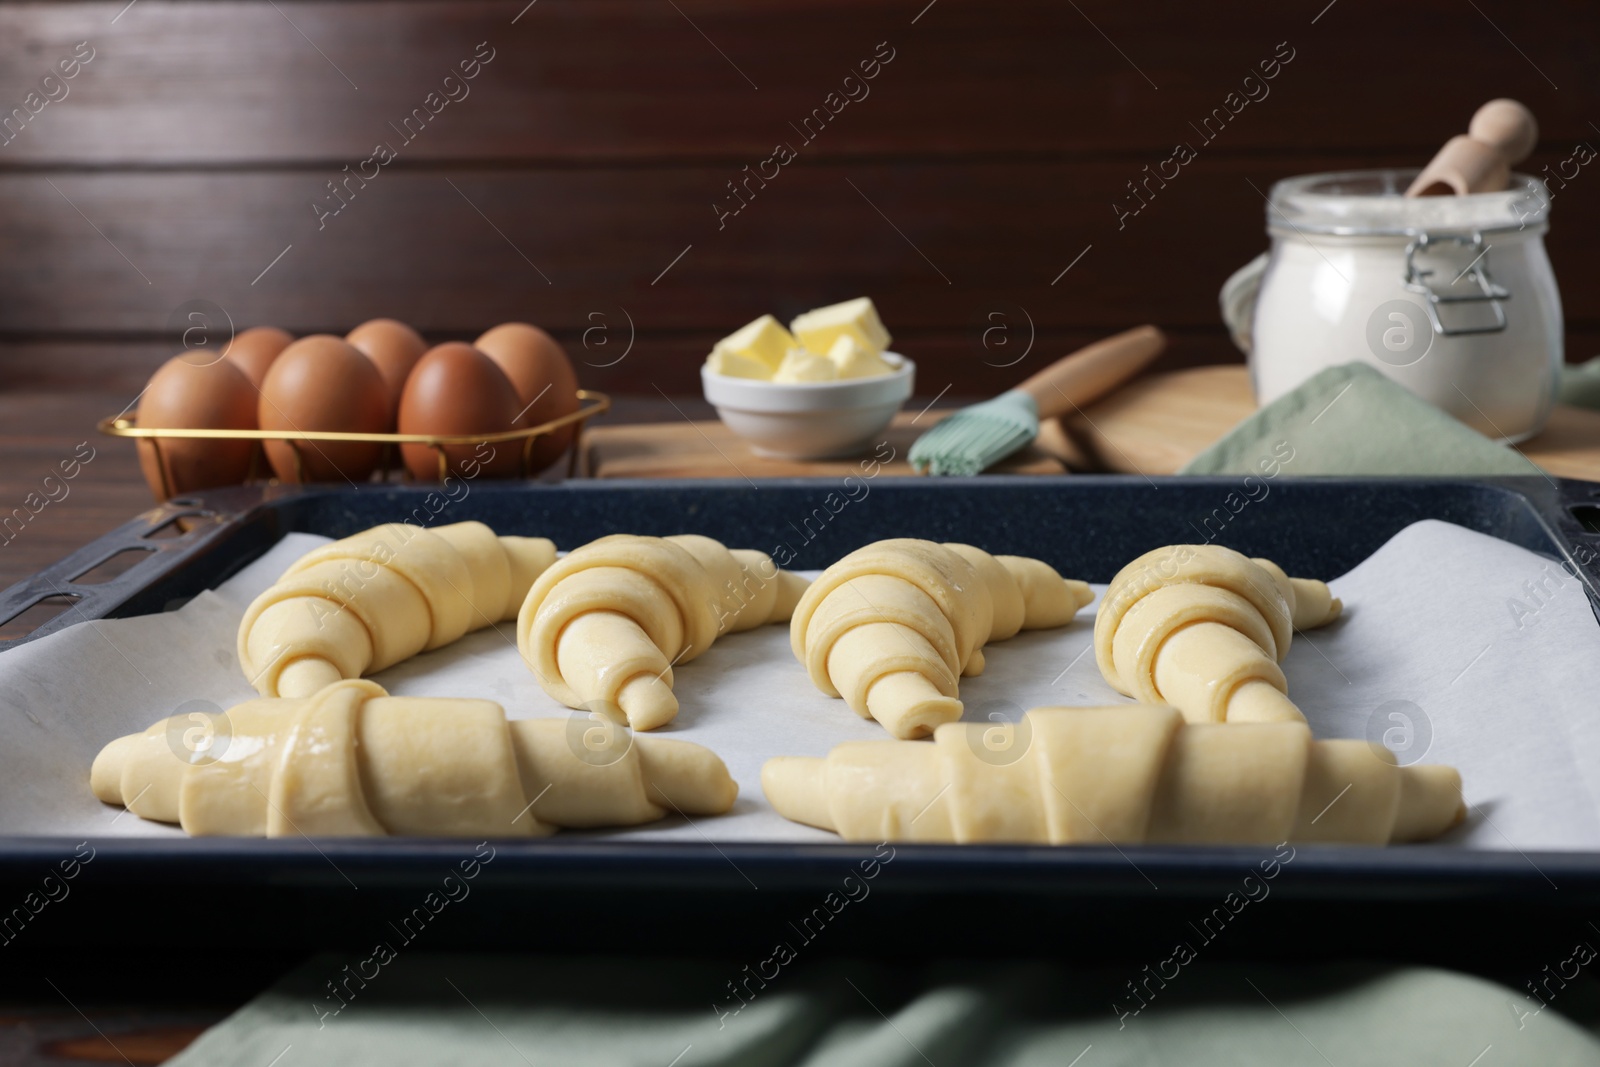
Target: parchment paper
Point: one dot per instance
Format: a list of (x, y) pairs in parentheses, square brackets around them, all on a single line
[(1454, 647)]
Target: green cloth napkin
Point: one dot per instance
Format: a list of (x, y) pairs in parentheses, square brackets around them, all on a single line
[(1350, 419), (1580, 384), (485, 1010)]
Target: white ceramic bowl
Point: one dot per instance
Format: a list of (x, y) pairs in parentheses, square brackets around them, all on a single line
[(811, 420)]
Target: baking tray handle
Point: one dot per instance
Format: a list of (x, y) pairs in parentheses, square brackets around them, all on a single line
[(1576, 520), (167, 536)]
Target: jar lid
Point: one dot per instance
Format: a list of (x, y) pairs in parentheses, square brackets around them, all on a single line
[(1360, 203)]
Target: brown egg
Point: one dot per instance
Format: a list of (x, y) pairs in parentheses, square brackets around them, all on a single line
[(322, 383), (196, 391), (394, 347), (543, 377), (456, 389), (253, 350)]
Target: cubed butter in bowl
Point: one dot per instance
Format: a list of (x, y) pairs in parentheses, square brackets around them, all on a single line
[(826, 390), (800, 419)]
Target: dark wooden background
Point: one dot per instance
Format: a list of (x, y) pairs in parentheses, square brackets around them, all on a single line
[(573, 187), (590, 151)]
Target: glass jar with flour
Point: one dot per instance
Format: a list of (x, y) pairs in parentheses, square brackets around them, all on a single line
[(1450, 296)]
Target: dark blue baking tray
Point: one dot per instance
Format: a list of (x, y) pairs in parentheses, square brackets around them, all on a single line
[(589, 894)]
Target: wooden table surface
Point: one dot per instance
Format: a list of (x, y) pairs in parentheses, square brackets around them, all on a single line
[(705, 448)]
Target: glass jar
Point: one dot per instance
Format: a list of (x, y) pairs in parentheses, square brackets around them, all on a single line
[(1450, 296)]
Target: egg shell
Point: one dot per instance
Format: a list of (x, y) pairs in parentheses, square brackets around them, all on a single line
[(322, 383), (456, 389), (253, 350), (196, 391), (394, 349), (544, 380)]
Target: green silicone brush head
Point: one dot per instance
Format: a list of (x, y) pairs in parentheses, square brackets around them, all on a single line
[(976, 438)]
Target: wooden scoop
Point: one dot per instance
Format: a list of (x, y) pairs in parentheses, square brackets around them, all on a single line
[(1502, 133)]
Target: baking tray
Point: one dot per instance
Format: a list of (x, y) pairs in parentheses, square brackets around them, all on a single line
[(588, 894)]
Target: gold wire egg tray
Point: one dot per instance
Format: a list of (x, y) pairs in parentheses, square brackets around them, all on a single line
[(590, 404)]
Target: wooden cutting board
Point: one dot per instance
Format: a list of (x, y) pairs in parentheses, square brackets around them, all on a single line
[(1151, 426), (1157, 424), (711, 450)]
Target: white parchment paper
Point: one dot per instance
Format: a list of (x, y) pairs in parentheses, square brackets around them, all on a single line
[(1455, 648)]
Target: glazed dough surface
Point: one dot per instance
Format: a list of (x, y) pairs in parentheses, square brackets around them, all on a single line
[(352, 761), (1122, 774), (892, 626), (604, 626), (1203, 629), (357, 606)]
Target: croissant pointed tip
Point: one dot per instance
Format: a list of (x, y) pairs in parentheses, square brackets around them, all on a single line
[(794, 785), (791, 587), (685, 777), (105, 775), (647, 701), (306, 677), (528, 557), (910, 706), (1082, 594)]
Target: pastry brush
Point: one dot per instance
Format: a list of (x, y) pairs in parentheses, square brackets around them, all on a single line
[(976, 438)]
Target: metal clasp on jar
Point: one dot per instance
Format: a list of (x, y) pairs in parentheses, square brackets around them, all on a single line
[(1477, 271)]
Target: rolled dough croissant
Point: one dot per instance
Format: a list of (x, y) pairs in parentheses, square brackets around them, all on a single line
[(893, 625), (365, 603), (352, 761), (602, 628), (1123, 774), (1203, 628)]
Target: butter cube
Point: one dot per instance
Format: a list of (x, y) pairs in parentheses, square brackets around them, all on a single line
[(855, 360), (802, 366), (764, 340), (734, 365), (818, 329)]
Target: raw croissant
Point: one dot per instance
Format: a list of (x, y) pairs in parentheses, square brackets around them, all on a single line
[(891, 626), (1203, 628), (352, 761), (381, 596), (1127, 774), (602, 628)]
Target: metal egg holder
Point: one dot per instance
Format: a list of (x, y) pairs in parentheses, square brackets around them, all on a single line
[(590, 404)]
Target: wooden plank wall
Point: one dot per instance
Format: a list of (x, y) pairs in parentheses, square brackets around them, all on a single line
[(580, 179)]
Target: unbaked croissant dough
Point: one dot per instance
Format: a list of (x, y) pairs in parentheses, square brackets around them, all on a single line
[(352, 761), (891, 626), (1203, 628), (365, 603), (602, 628), (1126, 774)]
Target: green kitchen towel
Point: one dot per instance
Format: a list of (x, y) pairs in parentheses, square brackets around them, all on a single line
[(1580, 384), (529, 1011), (1350, 419)]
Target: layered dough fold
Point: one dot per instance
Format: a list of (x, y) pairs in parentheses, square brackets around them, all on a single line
[(1203, 628), (893, 625), (352, 761), (369, 601), (1124, 774), (603, 627)]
